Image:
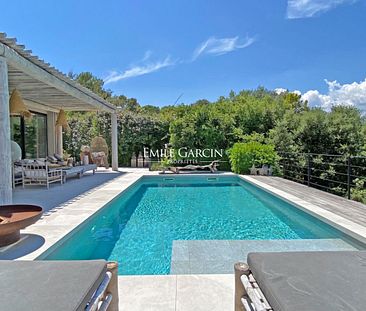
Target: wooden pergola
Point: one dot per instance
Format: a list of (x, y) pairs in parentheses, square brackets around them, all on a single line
[(45, 89)]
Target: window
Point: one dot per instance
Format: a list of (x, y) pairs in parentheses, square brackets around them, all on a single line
[(30, 134), (16, 124)]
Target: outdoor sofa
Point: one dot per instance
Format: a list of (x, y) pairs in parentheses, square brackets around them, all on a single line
[(301, 281), (40, 173), (58, 285)]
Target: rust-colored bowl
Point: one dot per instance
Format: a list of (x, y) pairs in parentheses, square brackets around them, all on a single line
[(16, 217)]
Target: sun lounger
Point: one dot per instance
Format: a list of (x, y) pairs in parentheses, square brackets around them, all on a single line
[(78, 170), (58, 285), (212, 167), (296, 281)]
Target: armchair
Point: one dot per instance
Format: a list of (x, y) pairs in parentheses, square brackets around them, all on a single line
[(39, 173)]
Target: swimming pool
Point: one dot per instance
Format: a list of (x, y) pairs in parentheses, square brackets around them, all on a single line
[(138, 227)]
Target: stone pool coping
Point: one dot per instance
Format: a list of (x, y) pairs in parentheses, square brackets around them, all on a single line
[(54, 226), (347, 226)]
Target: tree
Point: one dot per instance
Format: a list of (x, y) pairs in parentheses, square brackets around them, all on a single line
[(93, 83), (138, 131), (346, 130), (260, 115)]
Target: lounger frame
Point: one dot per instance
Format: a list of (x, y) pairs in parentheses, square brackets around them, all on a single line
[(105, 297), (248, 295)]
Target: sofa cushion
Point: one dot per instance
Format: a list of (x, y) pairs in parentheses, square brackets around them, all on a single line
[(36, 174), (18, 170), (49, 285), (58, 157), (40, 162), (51, 159)]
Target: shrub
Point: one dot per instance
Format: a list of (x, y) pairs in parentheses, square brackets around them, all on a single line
[(160, 166), (359, 192), (359, 195), (243, 155), (156, 166)]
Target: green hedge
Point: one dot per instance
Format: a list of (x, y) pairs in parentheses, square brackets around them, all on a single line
[(243, 155)]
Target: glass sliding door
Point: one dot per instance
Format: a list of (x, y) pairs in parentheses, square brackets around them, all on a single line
[(35, 136), (16, 125), (31, 135)]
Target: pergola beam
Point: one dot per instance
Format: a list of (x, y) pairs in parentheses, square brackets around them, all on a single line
[(73, 89)]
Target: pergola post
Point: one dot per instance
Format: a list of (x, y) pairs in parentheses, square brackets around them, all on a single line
[(51, 132), (59, 142), (5, 145), (114, 139)]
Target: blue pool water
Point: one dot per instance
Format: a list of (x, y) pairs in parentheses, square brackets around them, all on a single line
[(138, 227)]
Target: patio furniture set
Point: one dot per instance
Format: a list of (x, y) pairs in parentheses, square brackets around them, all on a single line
[(38, 172), (54, 169)]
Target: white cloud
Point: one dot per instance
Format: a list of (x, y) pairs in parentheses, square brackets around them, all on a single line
[(352, 94), (309, 8), (146, 66), (147, 55), (211, 46), (221, 46), (280, 90)]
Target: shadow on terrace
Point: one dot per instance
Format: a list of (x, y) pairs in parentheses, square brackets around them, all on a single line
[(59, 196)]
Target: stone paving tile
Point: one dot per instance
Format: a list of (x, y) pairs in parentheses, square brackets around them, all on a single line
[(205, 292), (180, 250), (180, 267), (176, 292), (209, 250), (147, 292), (212, 266)]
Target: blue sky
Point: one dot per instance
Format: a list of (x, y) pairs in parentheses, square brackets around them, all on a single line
[(156, 50)]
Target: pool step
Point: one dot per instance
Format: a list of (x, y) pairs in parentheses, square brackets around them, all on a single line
[(219, 256)]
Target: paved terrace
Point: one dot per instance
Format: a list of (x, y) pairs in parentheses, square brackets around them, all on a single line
[(70, 204), (59, 196)]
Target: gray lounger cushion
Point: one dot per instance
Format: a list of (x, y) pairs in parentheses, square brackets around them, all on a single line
[(49, 285), (312, 281)]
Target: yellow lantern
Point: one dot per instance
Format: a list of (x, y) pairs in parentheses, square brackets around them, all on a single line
[(17, 106), (62, 121)]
